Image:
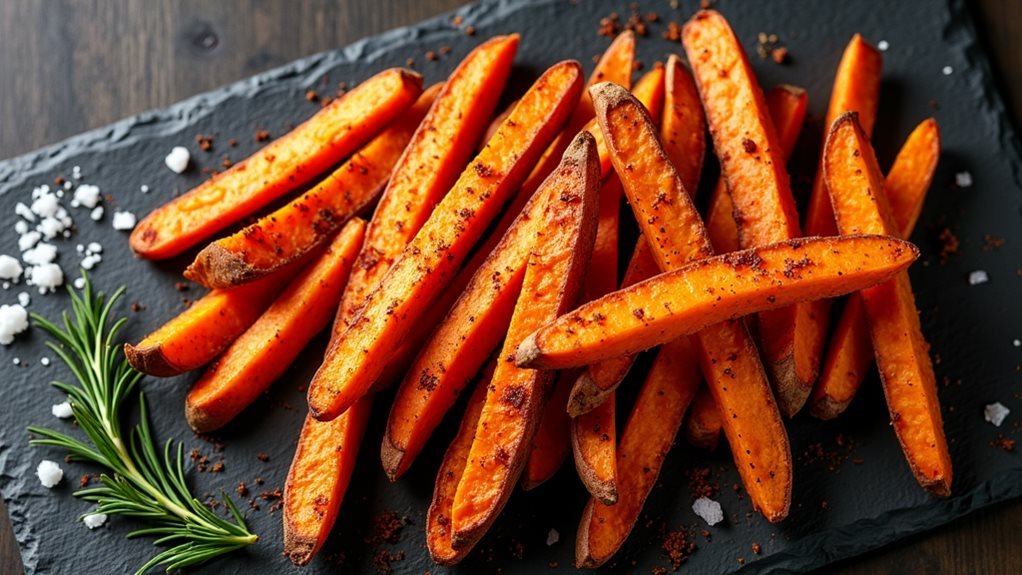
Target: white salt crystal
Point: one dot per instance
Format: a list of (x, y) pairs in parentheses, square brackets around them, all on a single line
[(87, 195), (79, 283), (28, 240), (552, 537), (948, 70), (96, 214), (41, 254), (10, 268), (62, 410), (13, 320), (963, 179), (144, 189), (883, 45), (49, 473), (47, 276), (24, 211), (177, 160), (94, 520), (1016, 342), (124, 221), (89, 262), (978, 277), (20, 227), (50, 227), (24, 299), (46, 206), (709, 510), (44, 361), (95, 247), (995, 413)]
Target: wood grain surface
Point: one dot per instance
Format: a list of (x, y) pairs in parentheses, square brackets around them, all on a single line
[(72, 65)]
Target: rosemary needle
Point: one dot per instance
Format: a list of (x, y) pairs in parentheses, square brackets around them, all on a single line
[(140, 482)]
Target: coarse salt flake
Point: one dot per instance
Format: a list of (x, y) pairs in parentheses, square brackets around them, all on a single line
[(995, 413), (94, 520), (96, 214), (883, 45), (90, 261), (552, 537), (10, 268), (26, 241), (95, 247), (24, 299), (46, 205), (62, 410), (49, 473), (124, 221), (41, 254), (47, 276), (20, 227), (1016, 342), (24, 211), (947, 70), (87, 195), (177, 160), (13, 320), (978, 277), (79, 283), (51, 227), (144, 189), (44, 361), (963, 179), (709, 510)]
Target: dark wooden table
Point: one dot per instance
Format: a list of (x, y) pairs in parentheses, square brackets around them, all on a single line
[(75, 65)]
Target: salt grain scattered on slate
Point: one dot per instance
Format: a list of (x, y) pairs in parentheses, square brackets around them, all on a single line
[(10, 268), (49, 473), (553, 537), (963, 179), (177, 160), (13, 320), (883, 45), (1017, 342), (948, 70), (94, 520), (124, 221), (709, 510), (45, 361), (62, 410), (995, 413), (978, 277)]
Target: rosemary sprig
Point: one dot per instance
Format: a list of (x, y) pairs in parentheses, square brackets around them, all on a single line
[(141, 482)]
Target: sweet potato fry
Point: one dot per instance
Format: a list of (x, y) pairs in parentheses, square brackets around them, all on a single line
[(438, 517), (850, 353), (265, 350), (683, 127), (437, 153), (293, 160), (432, 258), (676, 236), (787, 105), (594, 445), (515, 396), (702, 428), (320, 471), (311, 219), (856, 89), (752, 164), (648, 436), (679, 302), (599, 380), (902, 354), (197, 335), (552, 442), (495, 124)]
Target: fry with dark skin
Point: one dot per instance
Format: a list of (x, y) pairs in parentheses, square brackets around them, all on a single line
[(860, 205), (431, 260), (515, 396), (293, 160)]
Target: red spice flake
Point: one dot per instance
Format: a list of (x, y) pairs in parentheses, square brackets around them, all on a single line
[(779, 55), (262, 136), (756, 548), (673, 32), (831, 458), (205, 143), (232, 143), (311, 95), (768, 46), (652, 17), (456, 21), (181, 286), (610, 25), (700, 484), (226, 161), (470, 31), (263, 457), (84, 480), (741, 560), (553, 564), (636, 24), (432, 56), (445, 50), (948, 242), (659, 570), (386, 528), (1002, 442), (705, 4), (242, 489), (678, 548), (992, 242), (517, 550), (137, 307), (58, 181), (383, 560), (218, 467), (410, 62)]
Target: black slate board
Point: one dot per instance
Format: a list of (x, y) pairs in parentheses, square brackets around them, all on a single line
[(868, 500)]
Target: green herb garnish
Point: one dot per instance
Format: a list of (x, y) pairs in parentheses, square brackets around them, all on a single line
[(141, 483)]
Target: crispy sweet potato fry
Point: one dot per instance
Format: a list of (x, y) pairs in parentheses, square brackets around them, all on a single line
[(679, 302), (197, 335), (594, 445), (856, 89), (902, 354), (295, 159), (850, 353), (599, 380), (437, 153), (438, 517), (648, 436), (676, 235), (494, 125), (320, 471), (311, 219), (787, 105), (552, 442), (265, 350), (702, 428), (514, 399), (683, 127), (752, 163), (432, 258)]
